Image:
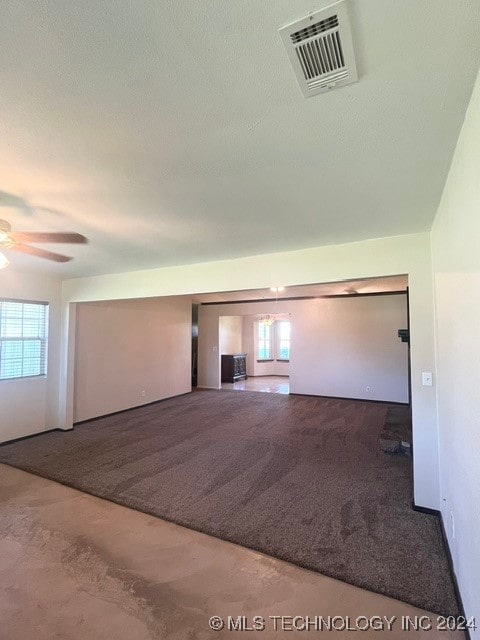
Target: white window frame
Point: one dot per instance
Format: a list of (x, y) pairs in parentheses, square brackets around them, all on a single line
[(18, 325)]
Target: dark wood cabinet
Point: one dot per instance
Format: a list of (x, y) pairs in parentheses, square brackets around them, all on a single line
[(234, 367)]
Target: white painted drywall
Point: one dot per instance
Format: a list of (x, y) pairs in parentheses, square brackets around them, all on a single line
[(127, 347), (30, 405), (208, 345), (272, 368), (456, 265), (339, 346), (177, 130), (408, 254), (230, 334), (248, 342)]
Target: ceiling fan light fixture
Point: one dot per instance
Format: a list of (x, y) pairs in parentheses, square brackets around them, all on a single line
[(5, 241), (4, 261), (21, 242)]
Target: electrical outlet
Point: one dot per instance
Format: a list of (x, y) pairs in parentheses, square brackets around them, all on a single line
[(143, 393), (368, 389)]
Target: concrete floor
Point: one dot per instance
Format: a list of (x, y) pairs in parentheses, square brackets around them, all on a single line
[(75, 567), (267, 384)]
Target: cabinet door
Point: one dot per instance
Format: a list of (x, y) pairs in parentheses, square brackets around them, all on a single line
[(227, 368), (237, 366), (242, 365)]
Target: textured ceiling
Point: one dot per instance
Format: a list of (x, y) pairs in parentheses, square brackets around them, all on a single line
[(174, 132)]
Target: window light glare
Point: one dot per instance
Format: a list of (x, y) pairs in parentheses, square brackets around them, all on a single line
[(4, 262)]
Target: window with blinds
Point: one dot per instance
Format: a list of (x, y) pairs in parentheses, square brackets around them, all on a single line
[(23, 339)]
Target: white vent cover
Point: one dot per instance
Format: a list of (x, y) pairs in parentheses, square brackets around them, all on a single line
[(320, 49)]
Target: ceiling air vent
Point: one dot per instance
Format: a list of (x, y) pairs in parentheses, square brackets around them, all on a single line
[(320, 49)]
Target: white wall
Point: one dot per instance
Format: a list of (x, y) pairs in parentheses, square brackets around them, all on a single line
[(230, 334), (30, 405), (408, 255), (339, 346), (127, 347), (208, 351), (456, 265), (248, 341)]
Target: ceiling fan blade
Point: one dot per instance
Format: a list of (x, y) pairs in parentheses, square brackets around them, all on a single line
[(34, 236), (39, 253)]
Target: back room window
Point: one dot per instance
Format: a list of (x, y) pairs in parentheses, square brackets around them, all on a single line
[(264, 341), (23, 339), (283, 340)]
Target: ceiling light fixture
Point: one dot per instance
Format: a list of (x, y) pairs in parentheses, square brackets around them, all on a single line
[(268, 320), (4, 262)]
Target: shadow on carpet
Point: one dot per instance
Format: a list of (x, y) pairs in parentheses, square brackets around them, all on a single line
[(299, 478)]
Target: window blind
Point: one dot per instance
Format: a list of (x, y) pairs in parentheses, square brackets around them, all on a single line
[(23, 339)]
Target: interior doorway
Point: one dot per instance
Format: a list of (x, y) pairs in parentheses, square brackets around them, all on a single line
[(348, 339), (254, 352)]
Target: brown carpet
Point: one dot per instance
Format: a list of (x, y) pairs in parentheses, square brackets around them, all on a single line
[(295, 477)]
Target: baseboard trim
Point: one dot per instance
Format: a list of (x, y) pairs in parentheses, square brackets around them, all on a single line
[(273, 375), (427, 510), (202, 386), (31, 435), (137, 406), (438, 514), (454, 577), (312, 395)]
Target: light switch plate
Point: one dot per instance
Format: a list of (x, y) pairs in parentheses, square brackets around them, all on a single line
[(427, 379)]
